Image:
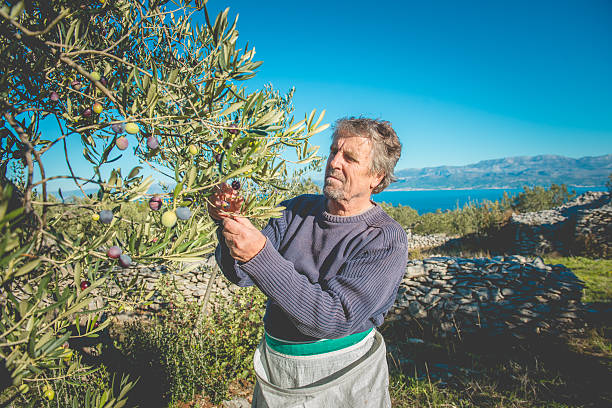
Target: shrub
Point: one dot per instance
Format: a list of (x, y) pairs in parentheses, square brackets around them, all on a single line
[(480, 219), (540, 198), (188, 357)]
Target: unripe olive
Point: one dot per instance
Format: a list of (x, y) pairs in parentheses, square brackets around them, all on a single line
[(193, 149), (97, 108), (95, 75), (67, 356), (131, 128), (168, 219), (48, 392)]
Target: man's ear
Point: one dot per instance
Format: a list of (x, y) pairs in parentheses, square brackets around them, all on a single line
[(376, 181)]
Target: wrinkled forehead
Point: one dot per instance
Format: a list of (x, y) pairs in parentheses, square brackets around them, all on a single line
[(351, 138), (350, 132)]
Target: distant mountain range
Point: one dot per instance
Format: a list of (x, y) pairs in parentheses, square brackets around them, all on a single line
[(509, 172)]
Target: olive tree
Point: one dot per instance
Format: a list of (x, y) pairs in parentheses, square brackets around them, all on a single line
[(121, 77)]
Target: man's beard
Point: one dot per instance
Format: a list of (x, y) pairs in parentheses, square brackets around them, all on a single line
[(332, 192)]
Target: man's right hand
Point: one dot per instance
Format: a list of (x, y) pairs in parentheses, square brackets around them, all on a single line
[(224, 202)]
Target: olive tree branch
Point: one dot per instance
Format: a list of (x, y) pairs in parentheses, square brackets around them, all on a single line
[(63, 14)]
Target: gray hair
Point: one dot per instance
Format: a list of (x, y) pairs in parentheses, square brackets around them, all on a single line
[(386, 146)]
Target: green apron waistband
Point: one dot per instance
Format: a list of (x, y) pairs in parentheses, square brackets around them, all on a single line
[(316, 347)]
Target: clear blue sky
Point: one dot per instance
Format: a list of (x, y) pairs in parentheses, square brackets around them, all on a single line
[(460, 81)]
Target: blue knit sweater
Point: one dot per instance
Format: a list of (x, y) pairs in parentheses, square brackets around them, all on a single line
[(325, 276)]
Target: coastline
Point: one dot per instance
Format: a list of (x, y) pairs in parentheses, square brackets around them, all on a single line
[(479, 188)]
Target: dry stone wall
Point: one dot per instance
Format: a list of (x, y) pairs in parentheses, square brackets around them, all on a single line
[(416, 241), (503, 295), (449, 296), (594, 230), (558, 229)]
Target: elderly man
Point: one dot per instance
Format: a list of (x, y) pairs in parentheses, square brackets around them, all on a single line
[(330, 267)]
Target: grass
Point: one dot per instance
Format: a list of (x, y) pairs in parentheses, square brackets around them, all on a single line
[(596, 273), (540, 372)]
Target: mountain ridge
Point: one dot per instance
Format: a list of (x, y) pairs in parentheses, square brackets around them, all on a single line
[(509, 172)]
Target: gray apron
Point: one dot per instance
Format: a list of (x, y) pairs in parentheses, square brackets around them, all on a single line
[(356, 376)]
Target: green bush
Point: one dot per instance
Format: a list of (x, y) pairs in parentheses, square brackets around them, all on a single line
[(539, 198), (480, 219), (470, 219), (190, 357)]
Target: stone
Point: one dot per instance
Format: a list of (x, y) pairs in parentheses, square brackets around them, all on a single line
[(414, 271), (236, 403), (416, 310)]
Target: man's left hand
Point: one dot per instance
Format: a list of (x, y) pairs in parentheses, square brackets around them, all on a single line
[(242, 238)]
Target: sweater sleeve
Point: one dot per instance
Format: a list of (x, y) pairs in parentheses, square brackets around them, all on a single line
[(273, 232), (365, 286)]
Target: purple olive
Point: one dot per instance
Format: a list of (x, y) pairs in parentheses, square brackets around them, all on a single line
[(218, 157), (236, 185), (122, 143), (118, 127), (233, 130), (103, 80), (87, 112), (114, 252), (125, 261), (183, 213), (152, 142), (106, 216), (85, 284), (54, 96), (155, 203)]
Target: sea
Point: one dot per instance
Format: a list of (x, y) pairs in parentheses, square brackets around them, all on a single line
[(425, 201)]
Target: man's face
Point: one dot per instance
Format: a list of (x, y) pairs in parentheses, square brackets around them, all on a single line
[(347, 174)]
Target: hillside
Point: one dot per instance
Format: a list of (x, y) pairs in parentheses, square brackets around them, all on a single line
[(510, 172)]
